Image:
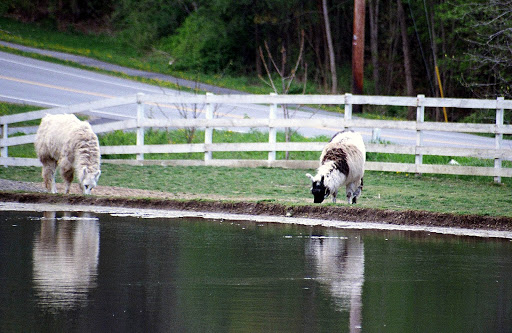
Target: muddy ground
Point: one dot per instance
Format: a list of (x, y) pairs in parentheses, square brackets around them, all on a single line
[(23, 192)]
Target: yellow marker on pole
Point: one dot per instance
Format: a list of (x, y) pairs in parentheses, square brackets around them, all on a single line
[(441, 91)]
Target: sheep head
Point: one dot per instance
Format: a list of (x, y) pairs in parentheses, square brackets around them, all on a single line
[(88, 180), (318, 189)]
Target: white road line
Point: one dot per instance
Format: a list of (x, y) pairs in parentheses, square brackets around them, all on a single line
[(31, 101)]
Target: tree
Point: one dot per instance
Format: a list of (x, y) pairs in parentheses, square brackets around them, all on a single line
[(358, 51), (483, 35), (332, 61), (373, 6), (285, 77), (407, 56)]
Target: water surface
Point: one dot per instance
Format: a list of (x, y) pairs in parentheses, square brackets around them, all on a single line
[(83, 272)]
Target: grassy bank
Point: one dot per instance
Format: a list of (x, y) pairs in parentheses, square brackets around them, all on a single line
[(390, 191)]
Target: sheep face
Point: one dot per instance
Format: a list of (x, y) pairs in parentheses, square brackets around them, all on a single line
[(318, 189), (89, 180)]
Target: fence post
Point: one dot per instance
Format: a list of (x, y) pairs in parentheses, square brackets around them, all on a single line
[(347, 114), (499, 136), (208, 131), (3, 150), (140, 129), (420, 118), (272, 131)]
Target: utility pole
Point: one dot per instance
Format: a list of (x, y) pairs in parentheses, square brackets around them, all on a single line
[(358, 52)]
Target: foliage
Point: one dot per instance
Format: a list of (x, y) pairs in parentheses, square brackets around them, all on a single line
[(480, 57), (468, 40), (200, 44), (142, 23)]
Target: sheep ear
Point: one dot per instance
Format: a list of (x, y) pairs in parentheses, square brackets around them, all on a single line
[(309, 176), (322, 180), (97, 175)]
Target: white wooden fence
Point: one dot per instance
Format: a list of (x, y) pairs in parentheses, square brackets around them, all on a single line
[(140, 123)]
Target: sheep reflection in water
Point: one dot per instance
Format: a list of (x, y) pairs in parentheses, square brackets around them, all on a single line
[(339, 264), (65, 259)]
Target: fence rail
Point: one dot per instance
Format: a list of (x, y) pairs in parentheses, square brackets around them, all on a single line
[(140, 123)]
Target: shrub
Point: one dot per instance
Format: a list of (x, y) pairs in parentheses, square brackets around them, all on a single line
[(200, 44)]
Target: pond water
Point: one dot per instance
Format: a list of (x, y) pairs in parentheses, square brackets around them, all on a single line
[(97, 272)]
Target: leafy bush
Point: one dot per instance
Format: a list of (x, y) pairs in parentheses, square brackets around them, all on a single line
[(200, 44)]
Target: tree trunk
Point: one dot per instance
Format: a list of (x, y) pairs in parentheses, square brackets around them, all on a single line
[(392, 28), (374, 41), (259, 71), (334, 78), (411, 114), (358, 52), (434, 55)]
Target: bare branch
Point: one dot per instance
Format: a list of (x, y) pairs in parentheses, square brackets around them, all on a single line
[(305, 78), (294, 71), (272, 60), (499, 33), (267, 70)]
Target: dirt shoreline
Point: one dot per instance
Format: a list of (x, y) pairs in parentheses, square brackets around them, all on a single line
[(330, 213)]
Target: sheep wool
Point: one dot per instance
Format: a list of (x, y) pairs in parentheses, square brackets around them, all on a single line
[(65, 141), (341, 164)]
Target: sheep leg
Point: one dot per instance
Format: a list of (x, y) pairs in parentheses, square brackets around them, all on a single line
[(349, 197), (351, 193), (67, 174), (49, 167), (357, 192)]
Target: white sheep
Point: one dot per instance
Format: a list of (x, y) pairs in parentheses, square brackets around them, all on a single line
[(341, 163), (71, 144)]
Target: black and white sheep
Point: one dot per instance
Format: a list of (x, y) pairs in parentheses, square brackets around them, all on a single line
[(341, 163)]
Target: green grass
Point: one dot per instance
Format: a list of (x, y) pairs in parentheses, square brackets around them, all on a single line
[(394, 191), (10, 108), (219, 136)]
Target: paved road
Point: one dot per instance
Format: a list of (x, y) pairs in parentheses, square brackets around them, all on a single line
[(29, 81)]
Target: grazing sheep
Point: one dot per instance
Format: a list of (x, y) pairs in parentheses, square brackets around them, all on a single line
[(66, 141), (341, 163)]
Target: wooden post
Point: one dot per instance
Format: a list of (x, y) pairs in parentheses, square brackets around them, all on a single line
[(208, 131), (420, 118), (4, 151), (347, 114), (140, 129), (499, 136), (272, 131)]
